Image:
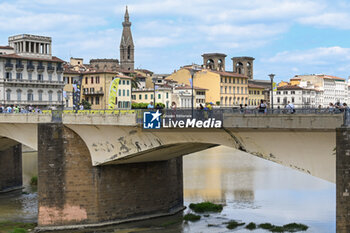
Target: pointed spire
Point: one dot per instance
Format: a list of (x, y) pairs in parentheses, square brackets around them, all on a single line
[(126, 16)]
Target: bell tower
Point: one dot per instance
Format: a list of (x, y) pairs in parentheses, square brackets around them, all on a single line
[(127, 45)]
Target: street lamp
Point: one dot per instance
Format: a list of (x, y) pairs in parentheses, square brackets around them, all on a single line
[(271, 77), (193, 70), (154, 80)]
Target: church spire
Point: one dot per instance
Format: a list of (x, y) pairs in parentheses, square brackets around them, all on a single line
[(126, 16), (127, 44)]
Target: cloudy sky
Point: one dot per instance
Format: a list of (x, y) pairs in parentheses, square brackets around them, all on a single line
[(286, 37)]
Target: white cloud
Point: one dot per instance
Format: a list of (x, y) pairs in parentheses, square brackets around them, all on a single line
[(317, 56), (331, 20)]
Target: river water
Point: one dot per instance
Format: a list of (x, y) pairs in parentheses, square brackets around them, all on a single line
[(251, 189)]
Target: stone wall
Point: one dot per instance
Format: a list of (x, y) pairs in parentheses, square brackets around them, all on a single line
[(343, 180), (11, 168), (72, 191)]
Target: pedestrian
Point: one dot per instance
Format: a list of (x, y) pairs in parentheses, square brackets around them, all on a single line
[(150, 105), (81, 107), (262, 106)]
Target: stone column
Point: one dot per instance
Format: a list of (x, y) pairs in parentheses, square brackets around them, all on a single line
[(50, 52), (343, 179), (11, 167), (71, 191), (30, 46)]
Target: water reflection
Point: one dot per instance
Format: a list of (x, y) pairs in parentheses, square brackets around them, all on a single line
[(251, 189)]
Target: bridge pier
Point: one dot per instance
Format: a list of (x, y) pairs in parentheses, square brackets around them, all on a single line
[(343, 179), (11, 167), (73, 193)]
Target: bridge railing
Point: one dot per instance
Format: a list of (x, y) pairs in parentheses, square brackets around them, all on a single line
[(218, 113)]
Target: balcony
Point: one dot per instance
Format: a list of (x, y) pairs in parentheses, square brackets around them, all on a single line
[(40, 68), (30, 68), (8, 66), (50, 69), (93, 92), (33, 82), (19, 67), (59, 69)]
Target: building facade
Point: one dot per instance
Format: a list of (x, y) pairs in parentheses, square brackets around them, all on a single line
[(162, 95), (256, 94), (29, 74)]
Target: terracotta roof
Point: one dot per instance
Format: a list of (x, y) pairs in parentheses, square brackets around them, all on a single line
[(331, 77), (293, 87), (123, 76), (229, 74), (145, 71), (16, 56), (250, 85), (6, 47)]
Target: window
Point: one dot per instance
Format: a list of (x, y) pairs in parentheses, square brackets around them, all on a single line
[(254, 92), (133, 97), (18, 76), (167, 95), (242, 81), (127, 82), (87, 99), (40, 77), (229, 89), (225, 90), (151, 96), (97, 100), (92, 80), (278, 100), (50, 77), (222, 79), (229, 80), (97, 81), (59, 96), (59, 77), (40, 94), (159, 96), (86, 80), (29, 76), (123, 82), (19, 95), (225, 80), (123, 92), (71, 80), (92, 90), (50, 96), (8, 75), (119, 93), (92, 100), (146, 96), (8, 94), (292, 99), (140, 97), (222, 89), (127, 93), (242, 89), (30, 95), (292, 92)]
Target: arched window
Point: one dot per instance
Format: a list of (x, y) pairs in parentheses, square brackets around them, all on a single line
[(239, 68), (30, 95), (129, 52), (210, 64), (19, 95), (220, 64), (8, 94)]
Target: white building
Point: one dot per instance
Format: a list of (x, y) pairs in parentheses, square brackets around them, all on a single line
[(29, 74), (332, 89), (182, 96), (300, 97)]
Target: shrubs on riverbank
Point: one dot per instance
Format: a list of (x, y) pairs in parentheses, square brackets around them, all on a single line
[(206, 207), (16, 227)]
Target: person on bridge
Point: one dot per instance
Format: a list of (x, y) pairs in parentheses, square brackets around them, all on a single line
[(262, 107), (150, 105), (290, 107)]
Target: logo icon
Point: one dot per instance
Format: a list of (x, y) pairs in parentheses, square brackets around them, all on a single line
[(151, 120)]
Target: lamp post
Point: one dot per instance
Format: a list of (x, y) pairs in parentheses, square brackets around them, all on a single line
[(193, 70), (271, 77), (154, 80)]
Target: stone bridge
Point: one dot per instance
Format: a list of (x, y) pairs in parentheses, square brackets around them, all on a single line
[(98, 169)]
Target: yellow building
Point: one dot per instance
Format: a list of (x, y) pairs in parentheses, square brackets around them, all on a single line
[(163, 95), (96, 87), (225, 88), (256, 94), (283, 83), (295, 81)]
